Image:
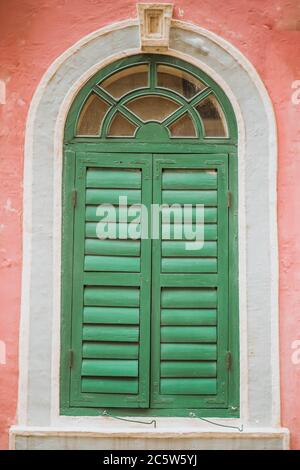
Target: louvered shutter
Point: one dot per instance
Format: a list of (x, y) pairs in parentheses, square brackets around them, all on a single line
[(190, 287), (111, 286)]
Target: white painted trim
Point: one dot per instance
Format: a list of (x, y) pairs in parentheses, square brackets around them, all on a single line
[(205, 432), (27, 221)]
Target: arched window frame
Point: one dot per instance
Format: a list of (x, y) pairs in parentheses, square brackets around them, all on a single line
[(151, 143), (92, 86)]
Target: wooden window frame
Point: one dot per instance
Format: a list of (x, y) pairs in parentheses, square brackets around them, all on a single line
[(198, 146)]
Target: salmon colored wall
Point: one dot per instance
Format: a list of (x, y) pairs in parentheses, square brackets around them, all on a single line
[(33, 34)]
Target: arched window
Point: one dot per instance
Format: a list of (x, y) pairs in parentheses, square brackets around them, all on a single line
[(119, 102), (150, 315)]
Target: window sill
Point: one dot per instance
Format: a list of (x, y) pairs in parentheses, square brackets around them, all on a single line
[(163, 437)]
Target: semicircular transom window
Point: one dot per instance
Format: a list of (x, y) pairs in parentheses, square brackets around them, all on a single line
[(124, 101)]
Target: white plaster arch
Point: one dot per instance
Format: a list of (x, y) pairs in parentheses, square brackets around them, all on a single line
[(38, 409)]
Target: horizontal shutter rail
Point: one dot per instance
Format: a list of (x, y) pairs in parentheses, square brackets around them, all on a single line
[(174, 248), (112, 296), (203, 317), (189, 179), (112, 263), (189, 265), (208, 198), (112, 247), (120, 333), (189, 280), (188, 351), (186, 386), (188, 369), (109, 350), (111, 315), (110, 385), (113, 178), (114, 213), (112, 196), (189, 297), (111, 230), (192, 334), (185, 232), (176, 214), (110, 368), (101, 279)]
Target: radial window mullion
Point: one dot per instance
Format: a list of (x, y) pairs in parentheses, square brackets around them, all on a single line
[(100, 92), (178, 113), (201, 96), (130, 115)]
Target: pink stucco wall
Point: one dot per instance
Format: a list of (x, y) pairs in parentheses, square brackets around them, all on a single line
[(33, 34)]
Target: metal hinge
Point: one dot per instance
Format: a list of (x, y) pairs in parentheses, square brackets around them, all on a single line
[(228, 360), (71, 358), (229, 199), (74, 198)]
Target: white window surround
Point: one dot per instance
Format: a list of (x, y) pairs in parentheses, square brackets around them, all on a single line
[(39, 423)]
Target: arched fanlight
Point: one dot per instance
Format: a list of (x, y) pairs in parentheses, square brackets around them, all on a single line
[(132, 96)]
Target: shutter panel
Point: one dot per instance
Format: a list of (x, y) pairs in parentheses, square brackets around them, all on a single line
[(111, 293), (190, 287)]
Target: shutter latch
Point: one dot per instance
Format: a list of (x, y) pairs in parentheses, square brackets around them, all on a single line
[(229, 199), (228, 360), (71, 358), (74, 198)]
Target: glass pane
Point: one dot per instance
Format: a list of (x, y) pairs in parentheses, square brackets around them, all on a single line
[(121, 127), (126, 80), (152, 108), (91, 116), (183, 127), (212, 117), (178, 80)]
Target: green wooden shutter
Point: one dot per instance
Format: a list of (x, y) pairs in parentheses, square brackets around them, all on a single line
[(111, 287), (190, 288)]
